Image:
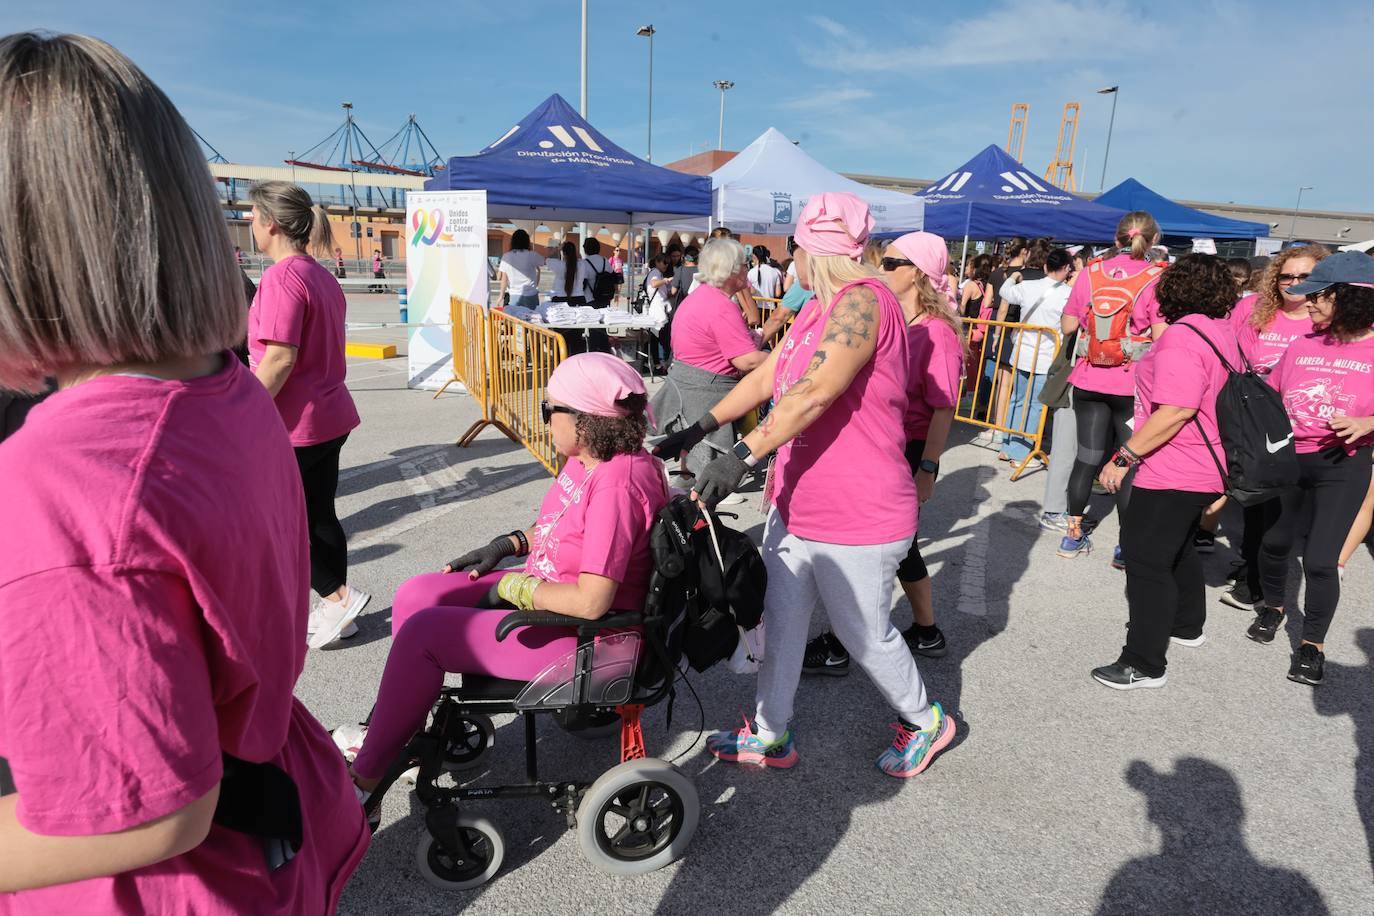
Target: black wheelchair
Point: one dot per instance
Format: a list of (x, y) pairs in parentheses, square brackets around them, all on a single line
[(637, 816)]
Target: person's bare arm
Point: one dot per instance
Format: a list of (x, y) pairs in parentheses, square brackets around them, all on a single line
[(774, 324), (749, 361), (33, 860), (275, 366), (749, 307), (587, 599), (1156, 330), (748, 393), (1068, 324)]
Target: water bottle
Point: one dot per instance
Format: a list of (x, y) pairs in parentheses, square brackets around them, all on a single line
[(404, 303)]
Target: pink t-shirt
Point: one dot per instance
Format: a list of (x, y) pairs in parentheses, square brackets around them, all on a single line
[(845, 480), (1181, 370), (709, 331), (300, 303), (154, 590), (937, 362), (1321, 378), (599, 523), (1117, 379), (1264, 348)]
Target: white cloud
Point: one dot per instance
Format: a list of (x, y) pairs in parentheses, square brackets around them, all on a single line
[(827, 99)]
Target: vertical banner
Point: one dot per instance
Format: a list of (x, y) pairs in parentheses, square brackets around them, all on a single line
[(446, 255)]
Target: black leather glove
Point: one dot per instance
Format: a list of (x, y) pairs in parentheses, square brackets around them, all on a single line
[(719, 479), (484, 559), (684, 440)]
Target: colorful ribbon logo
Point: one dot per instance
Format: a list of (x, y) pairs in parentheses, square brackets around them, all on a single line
[(429, 227)]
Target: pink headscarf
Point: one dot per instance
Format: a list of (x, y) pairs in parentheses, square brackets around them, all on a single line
[(593, 382), (930, 254), (834, 223)]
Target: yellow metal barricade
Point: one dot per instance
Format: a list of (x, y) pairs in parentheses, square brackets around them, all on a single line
[(522, 357), (776, 337), (1003, 355), (472, 363)]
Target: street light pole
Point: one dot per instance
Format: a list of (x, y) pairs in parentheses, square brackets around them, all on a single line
[(292, 154), (1293, 230), (583, 110), (722, 85), (353, 228), (647, 31), (1113, 92)]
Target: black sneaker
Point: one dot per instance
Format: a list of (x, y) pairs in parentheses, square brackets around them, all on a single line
[(929, 646), (1241, 598), (1123, 677), (1266, 624), (825, 655), (1240, 572), (1205, 541), (1307, 665)]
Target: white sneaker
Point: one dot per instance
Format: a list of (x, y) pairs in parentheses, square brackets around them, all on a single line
[(734, 499), (349, 740), (335, 617), (317, 617), (1190, 643)]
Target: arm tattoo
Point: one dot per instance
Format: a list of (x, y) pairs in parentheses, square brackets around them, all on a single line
[(854, 320)]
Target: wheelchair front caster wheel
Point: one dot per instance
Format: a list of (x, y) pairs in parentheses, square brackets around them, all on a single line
[(467, 738), (638, 817), (462, 869)]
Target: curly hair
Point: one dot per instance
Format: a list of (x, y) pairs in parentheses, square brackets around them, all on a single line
[(1353, 314), (1197, 284), (606, 437), (1270, 296)]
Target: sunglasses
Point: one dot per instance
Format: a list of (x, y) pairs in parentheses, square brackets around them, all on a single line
[(547, 410), (1292, 278), (890, 264)]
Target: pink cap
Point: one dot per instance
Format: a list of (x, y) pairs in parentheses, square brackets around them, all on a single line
[(930, 254), (593, 382), (834, 223)]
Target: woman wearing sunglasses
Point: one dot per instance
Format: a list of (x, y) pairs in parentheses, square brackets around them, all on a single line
[(587, 553)]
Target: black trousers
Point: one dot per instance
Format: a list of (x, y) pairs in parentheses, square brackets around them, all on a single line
[(1102, 423), (1336, 484), (913, 568), (1164, 584), (319, 466)]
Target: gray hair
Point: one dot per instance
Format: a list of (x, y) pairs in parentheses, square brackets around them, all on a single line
[(113, 244), (288, 205), (720, 259)]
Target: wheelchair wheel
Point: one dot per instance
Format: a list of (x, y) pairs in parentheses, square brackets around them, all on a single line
[(589, 725), (467, 738), (638, 817), (451, 870)]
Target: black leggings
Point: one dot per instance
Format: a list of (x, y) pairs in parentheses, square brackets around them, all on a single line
[(913, 568), (1164, 584), (1102, 419), (1336, 484), (319, 466)]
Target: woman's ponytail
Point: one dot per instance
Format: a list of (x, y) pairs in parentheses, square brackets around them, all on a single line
[(321, 238), (1137, 233)]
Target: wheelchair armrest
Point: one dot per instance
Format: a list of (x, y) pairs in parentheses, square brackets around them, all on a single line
[(516, 619)]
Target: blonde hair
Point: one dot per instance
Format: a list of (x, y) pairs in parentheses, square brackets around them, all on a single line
[(304, 223), (115, 249), (1270, 296), (873, 253), (1137, 233), (832, 273), (935, 304)]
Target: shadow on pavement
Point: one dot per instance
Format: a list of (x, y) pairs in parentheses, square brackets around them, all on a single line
[(1342, 693), (1203, 865)]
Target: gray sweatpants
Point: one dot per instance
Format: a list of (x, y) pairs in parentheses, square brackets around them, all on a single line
[(855, 585), (1065, 445)]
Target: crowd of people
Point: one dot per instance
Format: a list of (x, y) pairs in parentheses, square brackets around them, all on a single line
[(158, 613)]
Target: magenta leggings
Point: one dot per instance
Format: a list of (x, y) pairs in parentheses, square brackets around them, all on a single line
[(437, 627)]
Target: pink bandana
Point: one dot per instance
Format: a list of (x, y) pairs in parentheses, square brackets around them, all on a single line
[(834, 223), (593, 382), (929, 253)]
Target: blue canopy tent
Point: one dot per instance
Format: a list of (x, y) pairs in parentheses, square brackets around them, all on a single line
[(554, 166), (1176, 219), (993, 196)]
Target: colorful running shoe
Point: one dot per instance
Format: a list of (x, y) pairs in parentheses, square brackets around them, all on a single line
[(1071, 546), (1055, 521), (912, 751), (1118, 562), (743, 745)]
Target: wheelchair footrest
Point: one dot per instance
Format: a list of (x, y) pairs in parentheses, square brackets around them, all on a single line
[(631, 732)]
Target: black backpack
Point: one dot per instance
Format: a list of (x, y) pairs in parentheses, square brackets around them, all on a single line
[(719, 602), (1256, 434), (604, 282)]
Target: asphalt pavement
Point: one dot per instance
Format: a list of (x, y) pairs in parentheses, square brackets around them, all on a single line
[(1232, 790)]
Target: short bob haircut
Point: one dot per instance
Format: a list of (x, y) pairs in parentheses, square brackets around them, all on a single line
[(1197, 284), (606, 437), (719, 261), (1353, 312), (123, 259)]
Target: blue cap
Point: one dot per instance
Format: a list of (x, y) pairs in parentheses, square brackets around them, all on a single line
[(1341, 267)]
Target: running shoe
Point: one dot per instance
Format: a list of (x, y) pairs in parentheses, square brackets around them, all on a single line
[(1266, 625), (335, 616), (743, 745), (913, 750), (349, 740), (1071, 547), (1055, 521), (317, 618), (1241, 598), (1205, 541), (1124, 677), (1118, 562), (933, 646), (825, 655), (1307, 665), (1193, 643)]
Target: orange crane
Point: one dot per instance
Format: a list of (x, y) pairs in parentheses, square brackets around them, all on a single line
[(1016, 133), (1060, 171)]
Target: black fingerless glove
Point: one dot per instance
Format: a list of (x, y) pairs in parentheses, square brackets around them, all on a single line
[(684, 440), (484, 559), (719, 479)]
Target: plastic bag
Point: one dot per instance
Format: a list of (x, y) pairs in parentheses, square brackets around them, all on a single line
[(749, 652)]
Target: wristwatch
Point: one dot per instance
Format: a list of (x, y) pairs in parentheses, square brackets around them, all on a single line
[(743, 453), (930, 467), (1121, 461)]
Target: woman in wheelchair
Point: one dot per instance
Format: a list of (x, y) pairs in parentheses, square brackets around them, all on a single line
[(587, 554)]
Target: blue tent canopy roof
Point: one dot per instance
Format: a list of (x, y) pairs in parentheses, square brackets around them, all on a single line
[(993, 196), (1175, 218), (554, 165)]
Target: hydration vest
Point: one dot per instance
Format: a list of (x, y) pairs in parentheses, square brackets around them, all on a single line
[(1108, 341)]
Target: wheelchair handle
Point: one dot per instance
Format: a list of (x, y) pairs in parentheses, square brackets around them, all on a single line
[(517, 619)]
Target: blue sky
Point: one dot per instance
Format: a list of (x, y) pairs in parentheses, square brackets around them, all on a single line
[(1221, 101)]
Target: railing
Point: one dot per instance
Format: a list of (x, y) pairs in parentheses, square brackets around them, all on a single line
[(776, 337), (1002, 382), (522, 357)]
